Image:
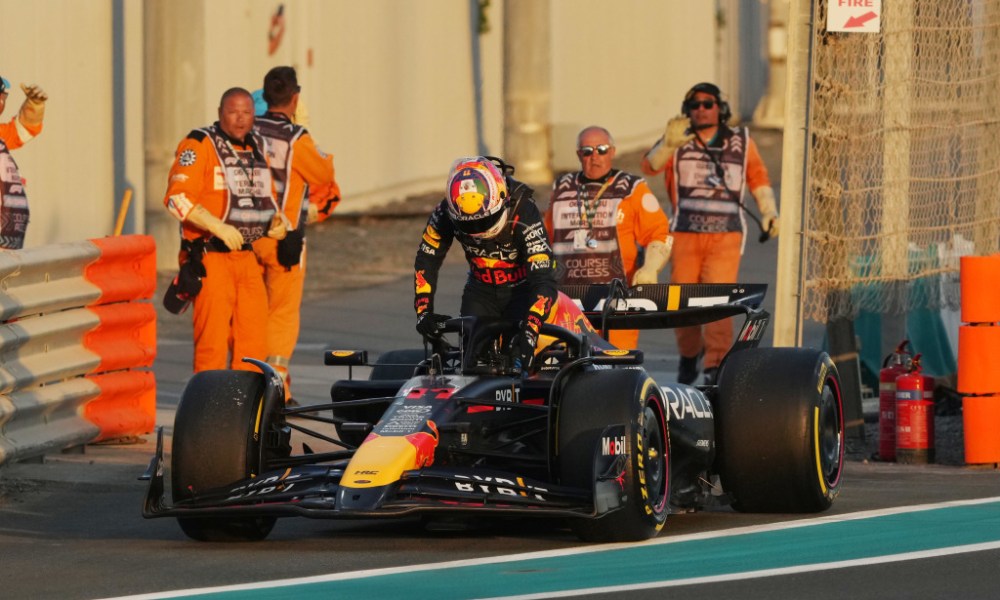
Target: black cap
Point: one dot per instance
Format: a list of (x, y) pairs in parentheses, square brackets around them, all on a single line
[(174, 301)]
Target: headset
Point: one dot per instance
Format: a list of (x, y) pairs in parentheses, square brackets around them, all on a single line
[(725, 113)]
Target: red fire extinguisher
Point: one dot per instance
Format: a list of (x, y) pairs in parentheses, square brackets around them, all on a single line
[(893, 366), (915, 416)]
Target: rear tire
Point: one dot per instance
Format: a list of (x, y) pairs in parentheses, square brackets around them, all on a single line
[(593, 400), (216, 443), (780, 424)]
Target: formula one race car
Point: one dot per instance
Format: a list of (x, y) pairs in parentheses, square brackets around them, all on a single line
[(456, 430)]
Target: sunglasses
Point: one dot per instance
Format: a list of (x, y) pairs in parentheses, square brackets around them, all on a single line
[(706, 104), (589, 150)]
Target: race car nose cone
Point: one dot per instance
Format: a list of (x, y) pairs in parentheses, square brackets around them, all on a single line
[(361, 499)]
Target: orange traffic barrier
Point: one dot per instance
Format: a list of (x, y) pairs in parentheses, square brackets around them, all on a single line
[(125, 337), (126, 405), (981, 420), (980, 291), (126, 269), (978, 348)]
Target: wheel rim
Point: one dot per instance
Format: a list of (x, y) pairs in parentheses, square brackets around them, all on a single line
[(831, 434), (655, 459)]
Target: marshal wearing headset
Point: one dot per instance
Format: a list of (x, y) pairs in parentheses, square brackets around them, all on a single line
[(708, 167)]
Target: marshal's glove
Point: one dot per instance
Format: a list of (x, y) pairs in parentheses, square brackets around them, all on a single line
[(33, 109), (657, 255), (202, 219), (280, 226), (430, 324), (675, 134), (312, 213), (764, 196)]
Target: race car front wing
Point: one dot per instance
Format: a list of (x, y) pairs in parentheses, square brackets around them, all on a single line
[(314, 491)]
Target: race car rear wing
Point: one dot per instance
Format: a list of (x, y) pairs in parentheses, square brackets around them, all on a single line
[(666, 306)]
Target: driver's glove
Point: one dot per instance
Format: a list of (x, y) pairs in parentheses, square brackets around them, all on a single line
[(523, 346), (430, 324)]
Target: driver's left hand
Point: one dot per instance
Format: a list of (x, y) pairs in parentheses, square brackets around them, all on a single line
[(430, 324), (522, 349)]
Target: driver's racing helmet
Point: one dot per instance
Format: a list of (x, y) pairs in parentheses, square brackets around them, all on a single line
[(477, 197)]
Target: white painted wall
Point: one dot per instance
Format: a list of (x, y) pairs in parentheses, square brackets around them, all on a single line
[(65, 47), (625, 66)]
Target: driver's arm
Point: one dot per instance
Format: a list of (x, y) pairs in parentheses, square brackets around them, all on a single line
[(533, 242), (435, 241)]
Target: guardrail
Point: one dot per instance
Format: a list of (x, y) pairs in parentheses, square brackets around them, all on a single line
[(76, 332)]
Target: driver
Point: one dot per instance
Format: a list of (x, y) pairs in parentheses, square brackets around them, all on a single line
[(511, 273)]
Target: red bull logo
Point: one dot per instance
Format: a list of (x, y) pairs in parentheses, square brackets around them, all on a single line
[(568, 315), (499, 276), (420, 284), (425, 443), (540, 307), (492, 263)]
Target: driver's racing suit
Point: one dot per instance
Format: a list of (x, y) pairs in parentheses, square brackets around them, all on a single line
[(511, 276)]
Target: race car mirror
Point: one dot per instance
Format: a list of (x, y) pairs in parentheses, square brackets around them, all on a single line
[(345, 358), (615, 356)]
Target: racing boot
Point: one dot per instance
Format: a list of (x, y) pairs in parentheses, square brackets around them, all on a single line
[(690, 366), (711, 373)]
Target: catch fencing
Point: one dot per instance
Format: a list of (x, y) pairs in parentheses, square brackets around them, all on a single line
[(903, 166), (77, 339)]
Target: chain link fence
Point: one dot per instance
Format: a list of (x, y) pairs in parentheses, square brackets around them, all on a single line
[(903, 164)]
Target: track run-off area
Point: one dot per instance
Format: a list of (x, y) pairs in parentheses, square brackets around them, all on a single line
[(859, 539)]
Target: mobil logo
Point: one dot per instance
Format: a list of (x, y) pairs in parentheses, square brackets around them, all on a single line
[(613, 445)]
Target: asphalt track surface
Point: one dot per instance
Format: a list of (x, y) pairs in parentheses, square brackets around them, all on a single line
[(747, 555), (71, 527)]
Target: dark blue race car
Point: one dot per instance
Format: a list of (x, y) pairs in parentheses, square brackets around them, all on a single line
[(454, 429)]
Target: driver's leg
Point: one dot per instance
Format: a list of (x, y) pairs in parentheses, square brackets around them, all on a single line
[(481, 300)]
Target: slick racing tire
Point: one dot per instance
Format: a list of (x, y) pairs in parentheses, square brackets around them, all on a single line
[(215, 443), (780, 430), (591, 401)]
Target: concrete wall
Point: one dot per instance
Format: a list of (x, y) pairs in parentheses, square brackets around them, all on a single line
[(388, 85), (625, 65), (65, 47)]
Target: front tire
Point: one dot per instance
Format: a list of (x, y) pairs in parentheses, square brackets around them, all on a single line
[(780, 430), (591, 401), (217, 442)]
